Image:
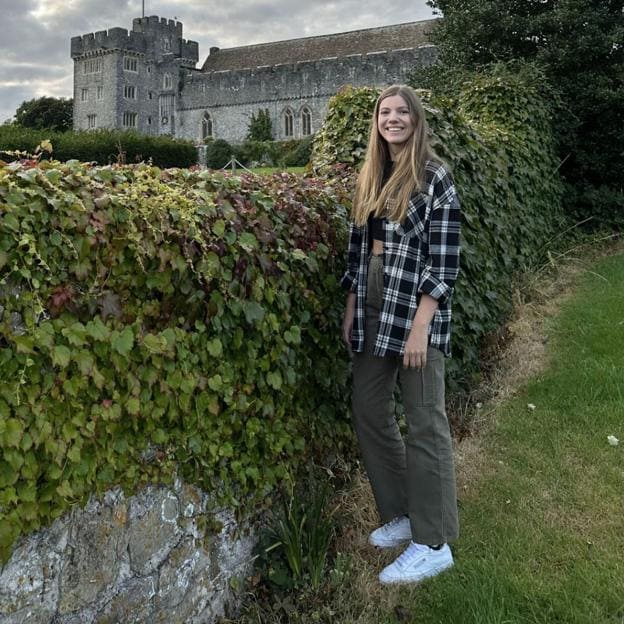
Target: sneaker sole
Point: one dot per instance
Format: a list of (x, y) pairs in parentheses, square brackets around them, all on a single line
[(417, 579)]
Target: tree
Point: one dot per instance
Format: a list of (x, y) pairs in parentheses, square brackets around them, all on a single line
[(579, 45), (260, 126), (46, 113)]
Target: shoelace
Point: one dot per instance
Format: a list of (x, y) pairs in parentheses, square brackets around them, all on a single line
[(394, 523), (410, 552)]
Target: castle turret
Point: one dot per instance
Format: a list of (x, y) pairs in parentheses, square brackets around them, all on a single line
[(130, 79)]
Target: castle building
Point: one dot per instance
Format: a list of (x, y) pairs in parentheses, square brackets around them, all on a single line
[(147, 79)]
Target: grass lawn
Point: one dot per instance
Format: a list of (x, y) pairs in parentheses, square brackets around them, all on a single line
[(543, 523)]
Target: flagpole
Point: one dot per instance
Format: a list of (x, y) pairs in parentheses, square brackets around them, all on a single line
[(143, 8)]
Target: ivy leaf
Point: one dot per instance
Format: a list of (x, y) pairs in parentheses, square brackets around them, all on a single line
[(218, 228), (123, 341), (274, 380), (155, 344), (75, 334), (248, 241), (215, 383), (133, 406), (215, 347), (97, 330), (85, 362), (65, 489), (61, 356), (253, 311)]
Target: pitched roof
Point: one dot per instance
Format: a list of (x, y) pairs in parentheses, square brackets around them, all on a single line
[(364, 41)]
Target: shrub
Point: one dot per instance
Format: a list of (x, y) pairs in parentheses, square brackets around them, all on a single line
[(497, 139), (164, 322), (102, 146), (297, 153), (218, 153)]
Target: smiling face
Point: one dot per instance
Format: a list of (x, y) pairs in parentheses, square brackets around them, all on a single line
[(395, 123)]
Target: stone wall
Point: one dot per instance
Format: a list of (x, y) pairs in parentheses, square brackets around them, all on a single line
[(231, 97), (148, 558)]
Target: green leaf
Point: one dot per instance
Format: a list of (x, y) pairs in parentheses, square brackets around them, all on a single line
[(215, 347), (274, 379), (61, 356), (253, 311), (97, 330), (123, 341), (13, 432), (218, 228), (215, 383), (75, 334), (133, 406), (248, 241), (65, 490)]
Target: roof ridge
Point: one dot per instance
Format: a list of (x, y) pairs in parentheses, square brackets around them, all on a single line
[(343, 32)]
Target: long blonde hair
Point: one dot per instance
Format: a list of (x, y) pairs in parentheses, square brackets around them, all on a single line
[(408, 174)]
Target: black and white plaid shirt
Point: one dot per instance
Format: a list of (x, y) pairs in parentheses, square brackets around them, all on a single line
[(421, 255)]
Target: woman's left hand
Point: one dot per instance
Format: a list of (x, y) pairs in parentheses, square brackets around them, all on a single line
[(415, 355)]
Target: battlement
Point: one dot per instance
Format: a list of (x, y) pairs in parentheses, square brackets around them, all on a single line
[(157, 25), (113, 38), (147, 36)]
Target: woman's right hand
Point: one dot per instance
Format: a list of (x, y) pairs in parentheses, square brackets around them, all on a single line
[(347, 321)]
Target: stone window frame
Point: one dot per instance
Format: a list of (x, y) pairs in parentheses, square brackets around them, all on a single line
[(99, 94), (131, 64), (92, 66), (288, 125), (130, 119), (130, 92), (207, 126), (84, 94), (306, 120), (167, 82), (91, 121)]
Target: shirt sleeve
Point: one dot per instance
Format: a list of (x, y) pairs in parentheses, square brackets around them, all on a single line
[(442, 262), (350, 278)]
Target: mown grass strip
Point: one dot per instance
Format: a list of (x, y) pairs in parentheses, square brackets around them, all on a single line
[(543, 527)]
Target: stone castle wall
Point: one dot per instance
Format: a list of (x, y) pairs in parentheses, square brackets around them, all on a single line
[(231, 97)]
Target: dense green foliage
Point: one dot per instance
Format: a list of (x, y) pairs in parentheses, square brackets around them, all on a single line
[(292, 153), (101, 146), (260, 126), (218, 153), (496, 137), (160, 322), (46, 113), (579, 43)]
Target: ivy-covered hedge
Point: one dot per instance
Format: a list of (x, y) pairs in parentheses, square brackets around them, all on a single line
[(160, 322), (101, 146), (497, 139)]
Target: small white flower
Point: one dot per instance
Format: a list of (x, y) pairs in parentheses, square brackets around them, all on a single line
[(479, 405), (531, 406), (612, 440)]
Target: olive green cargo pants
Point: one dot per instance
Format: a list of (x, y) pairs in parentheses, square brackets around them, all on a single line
[(415, 476)]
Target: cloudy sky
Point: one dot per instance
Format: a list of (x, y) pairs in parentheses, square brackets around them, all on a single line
[(34, 44)]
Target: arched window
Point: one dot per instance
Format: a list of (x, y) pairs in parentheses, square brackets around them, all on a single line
[(167, 82), (206, 126), (289, 119), (306, 121)]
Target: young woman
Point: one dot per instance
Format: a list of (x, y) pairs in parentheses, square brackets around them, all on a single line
[(403, 262)]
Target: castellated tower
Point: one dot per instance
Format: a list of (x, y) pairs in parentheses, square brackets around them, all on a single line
[(131, 80)]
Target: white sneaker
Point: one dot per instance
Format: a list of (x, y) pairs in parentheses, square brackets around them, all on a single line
[(392, 533), (417, 563)]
